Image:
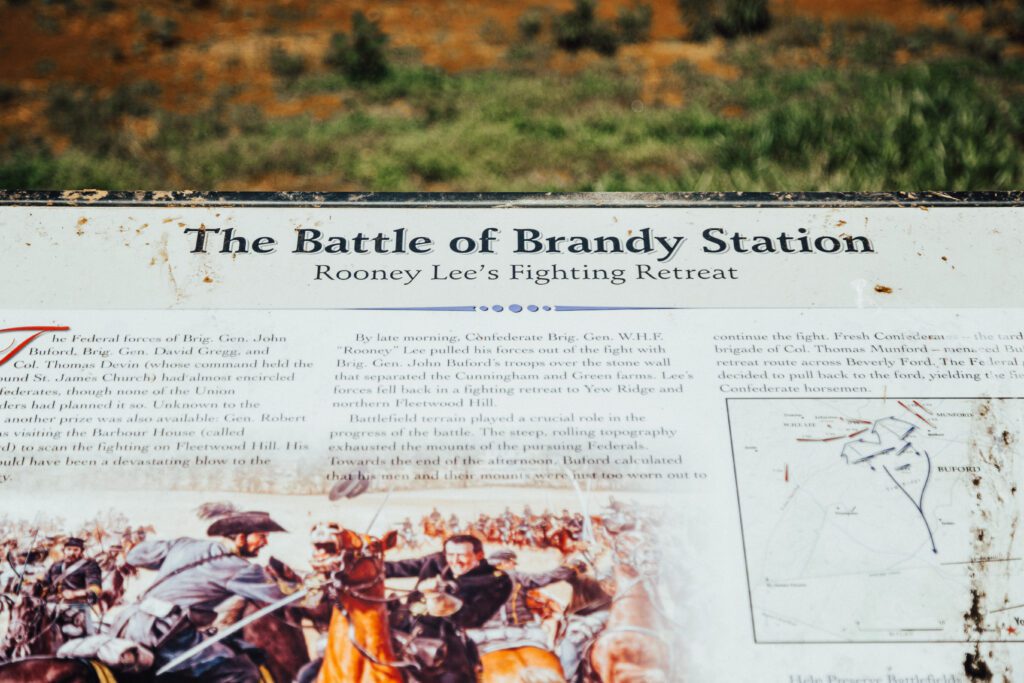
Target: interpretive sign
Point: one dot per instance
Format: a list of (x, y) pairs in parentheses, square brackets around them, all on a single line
[(631, 437)]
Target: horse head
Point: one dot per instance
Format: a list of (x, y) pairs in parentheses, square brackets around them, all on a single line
[(362, 557), (353, 559), (27, 622), (636, 555), (358, 638)]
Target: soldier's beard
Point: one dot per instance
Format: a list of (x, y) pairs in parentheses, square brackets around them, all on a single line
[(245, 551)]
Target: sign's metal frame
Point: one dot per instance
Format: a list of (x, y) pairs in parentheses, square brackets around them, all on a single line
[(525, 200)]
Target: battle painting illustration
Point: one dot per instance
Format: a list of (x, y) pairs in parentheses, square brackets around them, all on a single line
[(373, 587)]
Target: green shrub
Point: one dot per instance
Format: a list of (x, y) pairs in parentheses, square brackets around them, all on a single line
[(92, 122), (434, 166), (103, 6), (8, 93), (729, 18), (133, 99), (580, 29), (530, 23), (160, 30), (38, 169), (699, 17), (285, 65), (361, 57), (1007, 16), (743, 17), (982, 44), (339, 52), (872, 42), (493, 33), (634, 23)]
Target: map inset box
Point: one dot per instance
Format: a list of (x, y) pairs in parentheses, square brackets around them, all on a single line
[(881, 519)]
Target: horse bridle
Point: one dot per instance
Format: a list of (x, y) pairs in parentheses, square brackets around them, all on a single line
[(24, 625), (354, 556)]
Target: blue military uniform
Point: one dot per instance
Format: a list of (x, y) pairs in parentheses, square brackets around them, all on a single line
[(75, 616), (482, 591)]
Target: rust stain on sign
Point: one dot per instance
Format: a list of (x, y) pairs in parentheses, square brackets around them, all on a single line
[(165, 256), (975, 667), (87, 196), (995, 520)]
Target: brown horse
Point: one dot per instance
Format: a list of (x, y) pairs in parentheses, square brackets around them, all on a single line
[(279, 637), (32, 628), (283, 644), (632, 648), (564, 540), (359, 646), (532, 664)]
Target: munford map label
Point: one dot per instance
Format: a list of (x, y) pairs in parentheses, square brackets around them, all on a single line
[(573, 438)]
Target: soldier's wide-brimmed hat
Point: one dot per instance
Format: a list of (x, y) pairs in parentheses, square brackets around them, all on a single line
[(349, 488), (502, 556), (243, 523), (73, 542)]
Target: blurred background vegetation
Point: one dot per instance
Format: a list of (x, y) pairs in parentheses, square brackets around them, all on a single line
[(579, 95)]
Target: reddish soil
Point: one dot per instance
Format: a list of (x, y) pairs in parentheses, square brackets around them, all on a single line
[(228, 43)]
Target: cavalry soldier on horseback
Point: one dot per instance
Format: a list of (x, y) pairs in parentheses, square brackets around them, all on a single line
[(27, 568), (74, 584), (517, 609), (479, 590), (112, 558), (587, 615), (516, 637), (195, 577)]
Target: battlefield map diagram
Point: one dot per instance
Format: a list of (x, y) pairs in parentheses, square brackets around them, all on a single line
[(881, 519)]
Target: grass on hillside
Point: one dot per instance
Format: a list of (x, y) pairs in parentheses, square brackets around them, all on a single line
[(875, 110)]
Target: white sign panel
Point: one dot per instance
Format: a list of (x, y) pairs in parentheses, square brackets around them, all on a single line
[(637, 438)]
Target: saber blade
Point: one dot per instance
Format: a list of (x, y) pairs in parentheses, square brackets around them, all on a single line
[(380, 507), (234, 628), (588, 531), (28, 555)]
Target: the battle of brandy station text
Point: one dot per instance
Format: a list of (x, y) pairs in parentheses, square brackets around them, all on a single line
[(645, 243)]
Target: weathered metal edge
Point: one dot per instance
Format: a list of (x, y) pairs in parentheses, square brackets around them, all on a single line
[(765, 200)]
